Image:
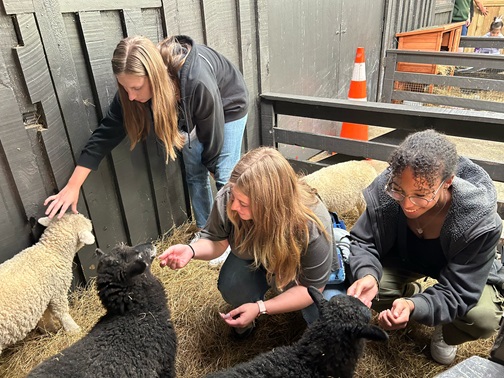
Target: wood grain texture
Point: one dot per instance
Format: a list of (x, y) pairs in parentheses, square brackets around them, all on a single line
[(38, 81), (18, 6), (68, 6)]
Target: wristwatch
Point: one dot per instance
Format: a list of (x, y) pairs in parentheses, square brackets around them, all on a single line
[(262, 308)]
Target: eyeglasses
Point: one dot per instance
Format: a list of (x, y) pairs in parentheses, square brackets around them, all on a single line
[(416, 200)]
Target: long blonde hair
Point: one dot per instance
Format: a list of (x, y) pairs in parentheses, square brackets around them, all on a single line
[(278, 233), (139, 56), (174, 55)]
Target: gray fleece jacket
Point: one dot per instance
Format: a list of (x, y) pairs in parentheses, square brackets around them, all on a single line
[(468, 238)]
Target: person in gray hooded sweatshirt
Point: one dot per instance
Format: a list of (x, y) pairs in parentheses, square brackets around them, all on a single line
[(431, 214)]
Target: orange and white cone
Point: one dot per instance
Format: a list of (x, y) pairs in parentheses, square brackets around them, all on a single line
[(357, 92)]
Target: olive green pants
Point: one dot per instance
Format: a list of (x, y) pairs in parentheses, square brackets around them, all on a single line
[(480, 322)]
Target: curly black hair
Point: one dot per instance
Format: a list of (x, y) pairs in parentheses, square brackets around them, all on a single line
[(429, 154)]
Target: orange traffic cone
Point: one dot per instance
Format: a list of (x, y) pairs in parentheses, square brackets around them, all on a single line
[(357, 92)]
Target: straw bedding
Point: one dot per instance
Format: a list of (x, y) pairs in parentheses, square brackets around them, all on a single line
[(205, 344)]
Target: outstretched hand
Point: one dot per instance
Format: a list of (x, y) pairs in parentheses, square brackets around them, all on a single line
[(397, 317), (176, 257), (241, 316), (364, 289), (67, 197)]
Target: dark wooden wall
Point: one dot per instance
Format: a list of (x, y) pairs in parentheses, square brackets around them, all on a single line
[(56, 82)]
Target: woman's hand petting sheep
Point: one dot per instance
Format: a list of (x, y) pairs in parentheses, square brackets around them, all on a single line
[(176, 257), (69, 195), (398, 316), (241, 316), (364, 289)]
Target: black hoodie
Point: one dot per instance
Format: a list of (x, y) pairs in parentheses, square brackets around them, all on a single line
[(213, 92)]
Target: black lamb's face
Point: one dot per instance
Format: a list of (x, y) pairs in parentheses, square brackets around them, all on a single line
[(345, 314), (124, 262), (354, 309)]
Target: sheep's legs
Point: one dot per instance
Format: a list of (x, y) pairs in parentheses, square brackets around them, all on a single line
[(59, 308), (46, 323)]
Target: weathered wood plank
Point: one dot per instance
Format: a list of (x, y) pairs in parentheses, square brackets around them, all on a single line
[(263, 49), (171, 21), (369, 149), (105, 214), (19, 156), (268, 124), (161, 195), (178, 192), (18, 6), (70, 6), (467, 103), (471, 41), (450, 58), (153, 24), (345, 146), (454, 81), (14, 228), (38, 81), (458, 122), (130, 168), (133, 21), (221, 28), (388, 77), (99, 189), (182, 17), (247, 36)]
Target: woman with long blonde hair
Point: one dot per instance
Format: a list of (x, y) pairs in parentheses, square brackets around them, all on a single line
[(189, 95), (280, 236)]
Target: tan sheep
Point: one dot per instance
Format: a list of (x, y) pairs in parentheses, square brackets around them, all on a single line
[(38, 278), (340, 185)]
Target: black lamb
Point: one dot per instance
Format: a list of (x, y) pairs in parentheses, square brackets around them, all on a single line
[(331, 346), (135, 338)]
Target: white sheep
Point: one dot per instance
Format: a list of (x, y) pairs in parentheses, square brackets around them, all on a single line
[(340, 185), (38, 278)]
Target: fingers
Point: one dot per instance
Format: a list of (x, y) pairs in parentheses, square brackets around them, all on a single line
[(389, 322), (49, 199), (172, 258), (74, 208), (63, 210), (355, 290)]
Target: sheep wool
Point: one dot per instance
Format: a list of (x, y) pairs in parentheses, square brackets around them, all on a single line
[(340, 185), (331, 346), (135, 338), (39, 278)]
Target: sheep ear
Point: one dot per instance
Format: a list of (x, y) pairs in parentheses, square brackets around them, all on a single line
[(44, 221), (317, 297), (99, 252), (136, 268), (372, 332), (86, 237)]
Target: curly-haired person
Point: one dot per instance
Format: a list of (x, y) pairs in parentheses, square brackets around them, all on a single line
[(430, 214)]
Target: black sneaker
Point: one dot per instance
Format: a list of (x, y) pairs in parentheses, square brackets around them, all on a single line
[(243, 333)]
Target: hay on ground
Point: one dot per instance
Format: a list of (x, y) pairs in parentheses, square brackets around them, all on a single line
[(204, 339)]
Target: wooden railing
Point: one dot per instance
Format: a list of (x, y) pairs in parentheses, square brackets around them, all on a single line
[(435, 89), (403, 118)]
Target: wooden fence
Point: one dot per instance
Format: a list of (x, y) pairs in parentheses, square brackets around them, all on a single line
[(439, 89), (404, 119)]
